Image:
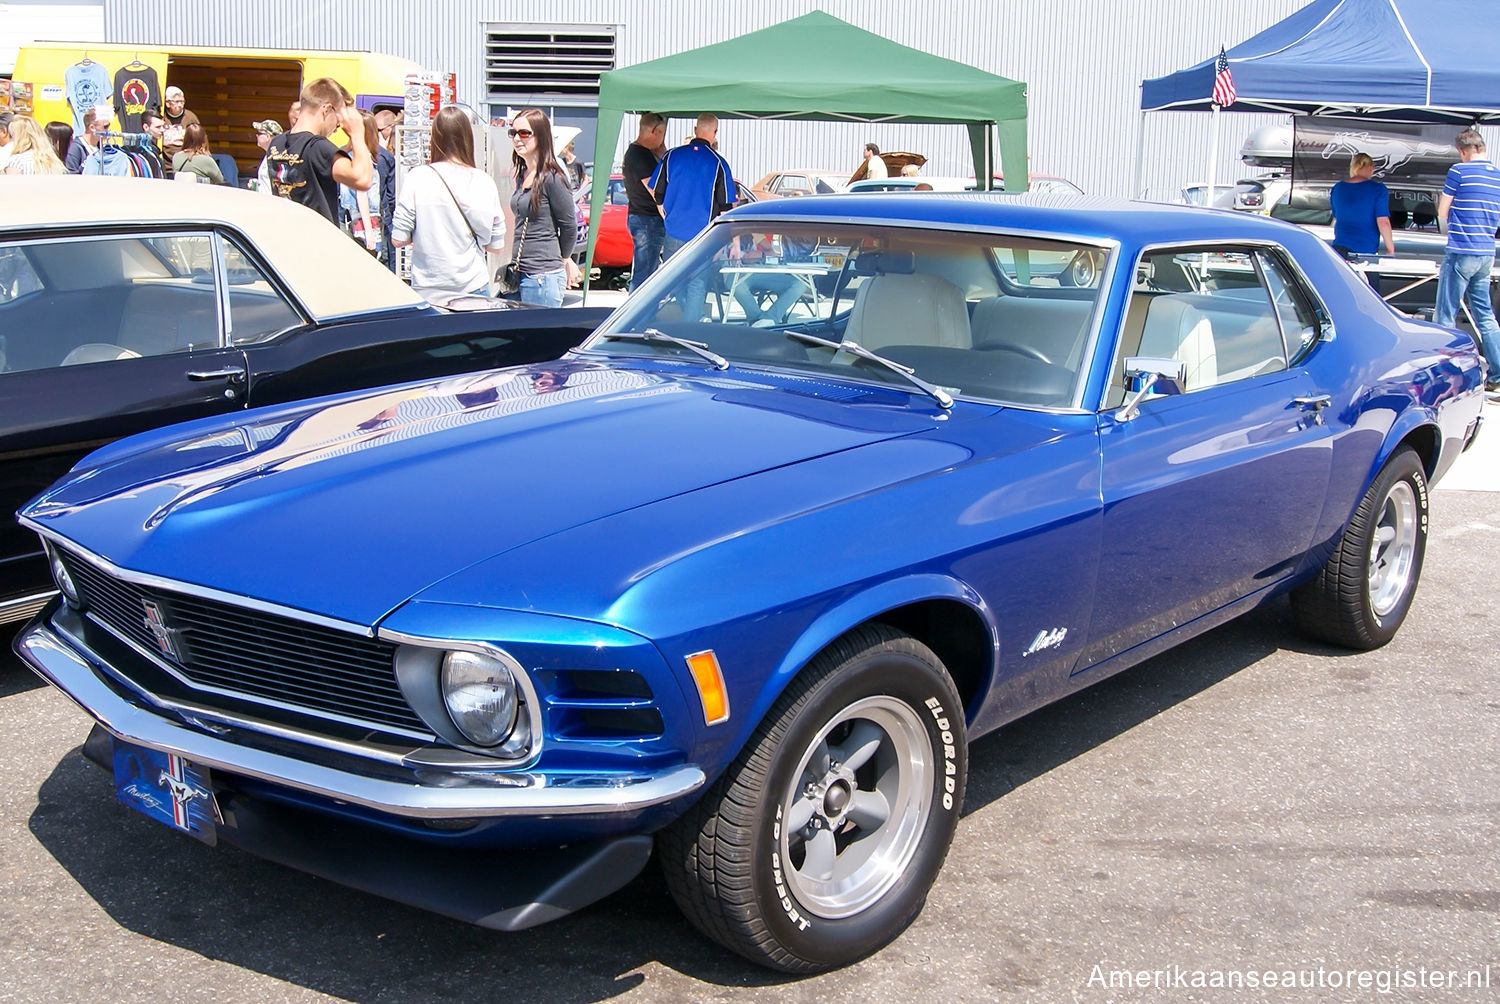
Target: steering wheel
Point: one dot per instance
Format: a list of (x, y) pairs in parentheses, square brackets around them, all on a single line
[(1029, 351)]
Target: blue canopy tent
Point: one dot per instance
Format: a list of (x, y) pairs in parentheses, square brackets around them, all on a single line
[(1390, 60), (1376, 60)]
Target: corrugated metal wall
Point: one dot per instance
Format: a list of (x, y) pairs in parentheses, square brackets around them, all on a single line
[(1083, 61)]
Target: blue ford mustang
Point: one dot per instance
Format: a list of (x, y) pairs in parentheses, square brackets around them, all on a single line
[(848, 483)]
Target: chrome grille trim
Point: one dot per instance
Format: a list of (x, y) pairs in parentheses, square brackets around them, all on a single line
[(253, 655), (25, 607)]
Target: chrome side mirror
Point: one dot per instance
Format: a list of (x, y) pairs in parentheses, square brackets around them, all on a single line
[(1151, 375)]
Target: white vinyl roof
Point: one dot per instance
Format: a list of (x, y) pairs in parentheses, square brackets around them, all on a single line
[(328, 272)]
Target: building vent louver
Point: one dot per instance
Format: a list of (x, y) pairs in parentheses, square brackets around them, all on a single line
[(546, 63)]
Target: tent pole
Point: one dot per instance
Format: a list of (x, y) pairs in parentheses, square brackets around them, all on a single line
[(1136, 192), (1213, 159), (989, 158)]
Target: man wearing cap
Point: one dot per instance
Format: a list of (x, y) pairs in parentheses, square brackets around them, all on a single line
[(264, 130), (178, 119)]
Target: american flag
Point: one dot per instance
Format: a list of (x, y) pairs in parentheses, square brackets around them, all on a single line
[(1223, 81)]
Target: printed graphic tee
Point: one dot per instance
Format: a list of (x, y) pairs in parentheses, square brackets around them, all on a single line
[(86, 86), (136, 89), (300, 165)]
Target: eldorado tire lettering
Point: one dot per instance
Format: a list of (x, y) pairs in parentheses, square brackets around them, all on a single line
[(950, 768)]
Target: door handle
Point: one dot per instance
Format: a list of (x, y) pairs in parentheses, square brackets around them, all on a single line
[(1314, 404), (227, 373)]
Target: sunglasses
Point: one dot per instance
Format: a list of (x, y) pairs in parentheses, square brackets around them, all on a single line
[(523, 133)]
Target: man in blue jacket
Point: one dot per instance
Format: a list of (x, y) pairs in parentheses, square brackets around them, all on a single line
[(693, 184)]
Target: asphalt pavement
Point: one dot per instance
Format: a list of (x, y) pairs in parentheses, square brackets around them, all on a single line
[(1250, 803)]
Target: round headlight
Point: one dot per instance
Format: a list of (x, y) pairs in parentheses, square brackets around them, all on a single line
[(480, 695), (64, 581)]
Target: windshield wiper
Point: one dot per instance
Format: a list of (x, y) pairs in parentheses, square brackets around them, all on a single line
[(652, 335), (939, 395)]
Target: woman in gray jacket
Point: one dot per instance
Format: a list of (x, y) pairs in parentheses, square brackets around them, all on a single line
[(546, 221)]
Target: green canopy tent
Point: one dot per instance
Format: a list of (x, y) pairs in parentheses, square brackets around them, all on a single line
[(818, 67)]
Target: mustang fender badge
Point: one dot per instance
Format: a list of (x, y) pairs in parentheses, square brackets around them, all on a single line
[(1046, 639)]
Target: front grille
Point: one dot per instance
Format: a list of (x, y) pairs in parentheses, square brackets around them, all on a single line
[(253, 655)]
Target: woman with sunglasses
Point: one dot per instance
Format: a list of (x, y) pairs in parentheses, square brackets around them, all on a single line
[(449, 212), (546, 222)]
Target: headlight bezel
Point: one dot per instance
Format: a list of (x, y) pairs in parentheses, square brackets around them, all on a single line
[(419, 673), (61, 577)]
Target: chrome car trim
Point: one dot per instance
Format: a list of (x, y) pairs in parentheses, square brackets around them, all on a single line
[(431, 792), (365, 315), (886, 223), (221, 291), (1282, 256), (24, 607), (300, 709), (523, 680), (204, 592)]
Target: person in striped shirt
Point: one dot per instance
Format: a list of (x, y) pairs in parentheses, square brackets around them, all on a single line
[(1470, 208)]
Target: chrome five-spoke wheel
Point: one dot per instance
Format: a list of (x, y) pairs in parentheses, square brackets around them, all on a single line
[(1393, 549), (854, 815), (820, 841)]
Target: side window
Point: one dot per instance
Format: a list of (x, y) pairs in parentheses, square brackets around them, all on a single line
[(17, 277), (105, 297), (1212, 309), (257, 310), (1299, 324)]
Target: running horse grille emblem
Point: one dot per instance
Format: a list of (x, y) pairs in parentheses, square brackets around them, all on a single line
[(157, 625)]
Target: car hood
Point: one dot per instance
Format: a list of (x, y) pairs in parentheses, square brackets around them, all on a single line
[(348, 507)]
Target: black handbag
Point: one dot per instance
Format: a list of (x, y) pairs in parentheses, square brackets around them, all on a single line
[(508, 277)]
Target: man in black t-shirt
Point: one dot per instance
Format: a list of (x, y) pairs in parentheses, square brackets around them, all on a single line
[(644, 221), (305, 166)]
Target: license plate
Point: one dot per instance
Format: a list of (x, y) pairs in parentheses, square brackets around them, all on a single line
[(833, 260), (167, 788)]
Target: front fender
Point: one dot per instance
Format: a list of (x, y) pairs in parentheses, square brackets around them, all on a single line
[(865, 606)]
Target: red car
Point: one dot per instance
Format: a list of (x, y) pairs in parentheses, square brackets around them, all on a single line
[(615, 249)]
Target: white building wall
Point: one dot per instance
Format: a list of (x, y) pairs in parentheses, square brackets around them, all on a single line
[(23, 21), (1082, 59)]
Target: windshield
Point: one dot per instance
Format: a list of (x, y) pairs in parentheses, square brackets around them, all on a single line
[(986, 316)]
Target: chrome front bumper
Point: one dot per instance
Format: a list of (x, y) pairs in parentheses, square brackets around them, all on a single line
[(433, 791)]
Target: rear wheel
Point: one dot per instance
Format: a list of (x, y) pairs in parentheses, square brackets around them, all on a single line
[(1361, 596), (819, 843)]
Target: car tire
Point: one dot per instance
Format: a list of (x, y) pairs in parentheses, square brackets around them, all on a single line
[(802, 860), (1361, 595)]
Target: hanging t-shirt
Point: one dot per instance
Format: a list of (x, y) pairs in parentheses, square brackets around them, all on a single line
[(136, 89), (87, 86), (301, 169)]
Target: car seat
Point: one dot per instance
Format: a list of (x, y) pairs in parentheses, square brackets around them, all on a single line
[(909, 309)]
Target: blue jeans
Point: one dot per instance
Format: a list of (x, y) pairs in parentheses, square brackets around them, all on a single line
[(1467, 277), (695, 290), (544, 288), (648, 233)]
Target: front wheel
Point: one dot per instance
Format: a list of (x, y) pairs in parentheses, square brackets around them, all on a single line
[(1361, 596), (819, 843)]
